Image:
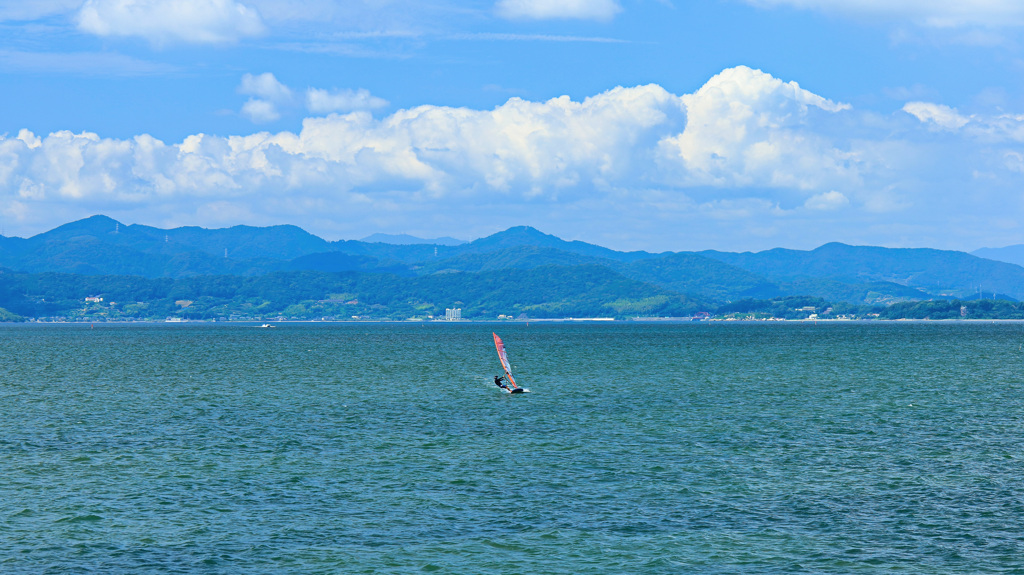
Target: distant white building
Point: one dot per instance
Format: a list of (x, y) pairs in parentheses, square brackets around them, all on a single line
[(453, 314), (94, 299)]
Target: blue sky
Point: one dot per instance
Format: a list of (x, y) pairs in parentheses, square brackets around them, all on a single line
[(635, 124)]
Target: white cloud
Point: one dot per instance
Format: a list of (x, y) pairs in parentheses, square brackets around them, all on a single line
[(931, 13), (323, 101), (747, 128), (558, 9), (1014, 161), (269, 94), (746, 148), (506, 37), (260, 111), (938, 115), (31, 140), (265, 86), (827, 201), (1000, 128), (171, 21), (364, 18), (742, 128), (525, 151)]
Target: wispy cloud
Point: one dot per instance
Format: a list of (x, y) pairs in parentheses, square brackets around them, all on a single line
[(24, 10), (938, 115), (505, 37), (929, 13), (80, 64), (348, 49), (260, 111), (268, 94), (557, 9), (402, 44), (320, 101), (265, 86), (269, 97), (827, 201), (991, 128), (171, 21)]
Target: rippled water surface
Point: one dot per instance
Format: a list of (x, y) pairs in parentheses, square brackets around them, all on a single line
[(384, 448)]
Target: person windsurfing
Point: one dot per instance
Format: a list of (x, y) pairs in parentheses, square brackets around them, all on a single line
[(509, 384)]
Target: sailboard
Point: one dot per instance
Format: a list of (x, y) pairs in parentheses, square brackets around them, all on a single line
[(513, 387)]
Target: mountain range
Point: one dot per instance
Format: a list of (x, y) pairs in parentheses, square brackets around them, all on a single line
[(1010, 254), (406, 239), (836, 272)]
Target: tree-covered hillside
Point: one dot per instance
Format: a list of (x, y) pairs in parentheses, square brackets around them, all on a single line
[(544, 292), (100, 246)]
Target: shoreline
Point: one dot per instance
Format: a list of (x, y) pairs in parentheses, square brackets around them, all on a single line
[(645, 321)]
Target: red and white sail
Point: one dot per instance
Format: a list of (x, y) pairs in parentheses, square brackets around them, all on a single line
[(500, 345)]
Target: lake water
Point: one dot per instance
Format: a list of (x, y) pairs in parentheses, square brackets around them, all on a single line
[(385, 448)]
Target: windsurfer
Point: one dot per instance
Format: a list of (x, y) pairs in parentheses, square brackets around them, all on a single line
[(506, 382)]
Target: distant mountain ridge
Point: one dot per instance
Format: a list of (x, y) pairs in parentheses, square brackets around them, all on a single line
[(937, 272), (406, 240), (862, 274), (1009, 254)]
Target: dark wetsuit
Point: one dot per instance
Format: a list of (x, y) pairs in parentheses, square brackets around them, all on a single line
[(497, 381)]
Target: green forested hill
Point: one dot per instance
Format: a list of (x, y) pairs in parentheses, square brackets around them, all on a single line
[(103, 246), (509, 258), (702, 276), (99, 247), (241, 242), (522, 236), (838, 291), (549, 291)]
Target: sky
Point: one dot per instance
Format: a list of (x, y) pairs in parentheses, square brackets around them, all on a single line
[(658, 125)]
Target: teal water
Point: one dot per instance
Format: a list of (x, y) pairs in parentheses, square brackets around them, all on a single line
[(384, 448)]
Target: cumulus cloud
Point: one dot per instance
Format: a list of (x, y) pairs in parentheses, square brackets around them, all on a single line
[(746, 146), (744, 127), (931, 13), (558, 9), (525, 148), (747, 128), (323, 101), (171, 21)]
